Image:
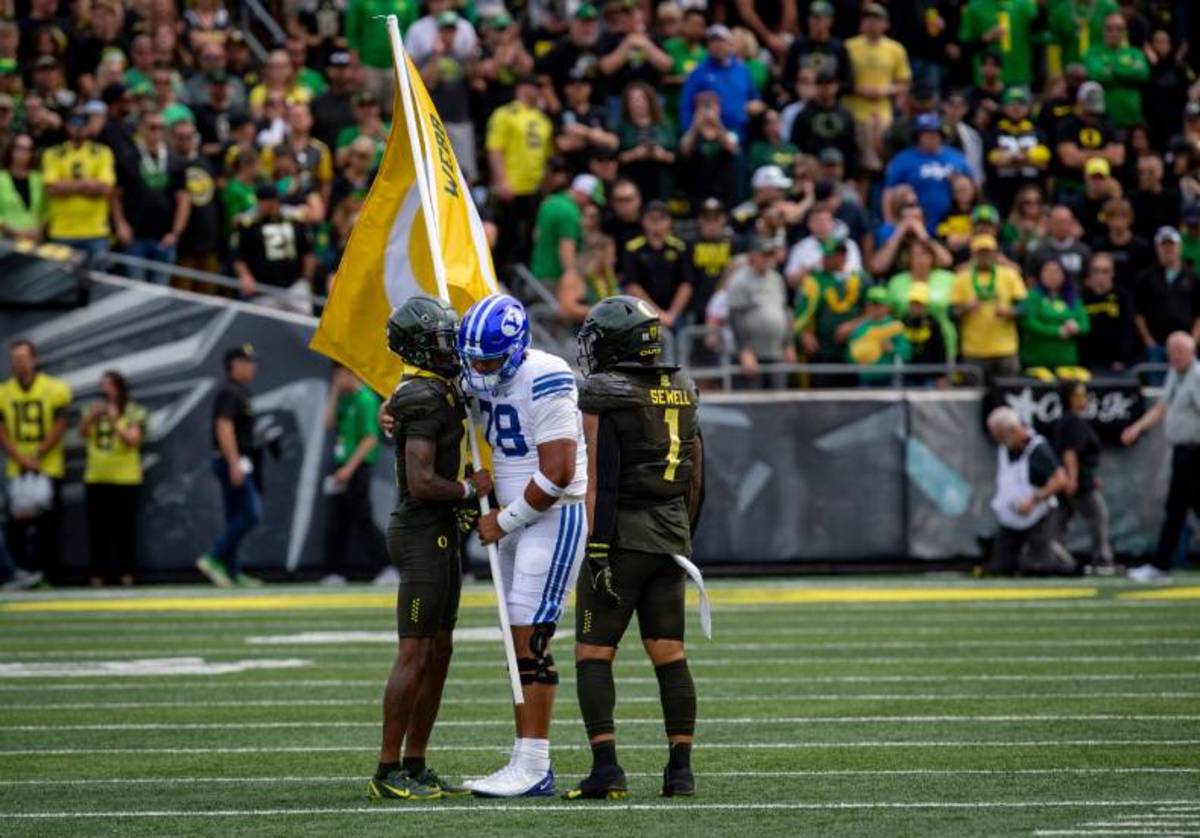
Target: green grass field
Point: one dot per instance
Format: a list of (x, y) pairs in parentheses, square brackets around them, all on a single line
[(879, 706)]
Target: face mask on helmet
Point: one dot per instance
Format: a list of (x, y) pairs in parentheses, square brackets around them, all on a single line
[(492, 343), (443, 355)]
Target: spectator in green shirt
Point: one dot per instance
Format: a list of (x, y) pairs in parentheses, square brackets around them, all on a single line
[(687, 50), (1052, 319), (368, 39), (352, 412), (558, 230), (772, 149), (938, 283), (22, 194), (1075, 25), (1003, 26), (1122, 70)]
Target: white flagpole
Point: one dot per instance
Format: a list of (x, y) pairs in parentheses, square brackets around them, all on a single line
[(425, 190)]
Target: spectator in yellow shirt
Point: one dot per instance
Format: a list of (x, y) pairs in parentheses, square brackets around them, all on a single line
[(519, 142), (113, 429), (79, 176), (879, 66), (985, 297), (280, 79), (33, 421)]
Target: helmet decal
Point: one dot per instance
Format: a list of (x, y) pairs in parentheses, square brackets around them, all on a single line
[(512, 322)]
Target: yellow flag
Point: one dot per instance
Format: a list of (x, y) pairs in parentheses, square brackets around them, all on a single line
[(388, 258)]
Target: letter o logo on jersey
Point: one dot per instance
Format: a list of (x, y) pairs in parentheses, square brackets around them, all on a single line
[(510, 325)]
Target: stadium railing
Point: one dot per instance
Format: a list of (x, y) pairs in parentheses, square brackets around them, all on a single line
[(727, 371), (152, 267)]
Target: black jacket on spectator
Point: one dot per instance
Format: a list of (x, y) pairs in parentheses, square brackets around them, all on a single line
[(658, 270), (820, 55), (148, 185), (1129, 259), (203, 232), (818, 128), (1074, 433), (1167, 306), (1152, 210), (331, 113), (1113, 338), (565, 57)]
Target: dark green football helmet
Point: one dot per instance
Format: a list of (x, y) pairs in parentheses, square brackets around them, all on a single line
[(422, 332), (618, 330)]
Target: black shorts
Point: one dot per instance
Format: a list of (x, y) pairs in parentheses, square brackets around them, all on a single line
[(650, 584), (430, 577)]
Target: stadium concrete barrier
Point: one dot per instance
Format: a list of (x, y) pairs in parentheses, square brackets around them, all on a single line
[(792, 477)]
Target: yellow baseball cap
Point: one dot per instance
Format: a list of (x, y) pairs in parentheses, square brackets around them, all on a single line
[(1097, 166), (985, 241)]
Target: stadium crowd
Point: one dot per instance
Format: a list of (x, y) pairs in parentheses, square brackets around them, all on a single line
[(1011, 183)]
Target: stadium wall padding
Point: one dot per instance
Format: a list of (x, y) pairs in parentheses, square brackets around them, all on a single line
[(806, 476)]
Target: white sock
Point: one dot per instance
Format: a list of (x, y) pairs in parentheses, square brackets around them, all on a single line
[(514, 758), (535, 755)]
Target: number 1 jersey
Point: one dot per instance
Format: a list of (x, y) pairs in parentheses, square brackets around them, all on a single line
[(539, 405)]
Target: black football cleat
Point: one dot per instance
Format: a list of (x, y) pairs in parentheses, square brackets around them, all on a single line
[(603, 784), (678, 782)]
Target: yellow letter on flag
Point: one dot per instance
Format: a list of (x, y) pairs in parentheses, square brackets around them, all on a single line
[(388, 258)]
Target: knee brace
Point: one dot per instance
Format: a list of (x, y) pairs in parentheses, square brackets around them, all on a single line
[(540, 641), (677, 692), (537, 670)]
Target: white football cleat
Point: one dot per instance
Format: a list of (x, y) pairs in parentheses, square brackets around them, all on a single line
[(1148, 573), (514, 781), (389, 577)]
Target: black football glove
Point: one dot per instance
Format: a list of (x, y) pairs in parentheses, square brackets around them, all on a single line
[(601, 574)]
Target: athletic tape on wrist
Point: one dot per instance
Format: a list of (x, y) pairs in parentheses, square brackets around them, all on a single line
[(547, 485), (469, 492), (517, 514)]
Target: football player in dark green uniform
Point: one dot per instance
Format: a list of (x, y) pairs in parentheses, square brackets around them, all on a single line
[(424, 541), (644, 452)]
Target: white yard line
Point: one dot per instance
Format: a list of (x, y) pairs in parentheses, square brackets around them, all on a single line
[(611, 808), (703, 721), (754, 746), (497, 683), (644, 699), (898, 772), (365, 645)]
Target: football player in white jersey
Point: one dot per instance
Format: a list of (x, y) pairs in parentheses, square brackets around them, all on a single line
[(528, 404)]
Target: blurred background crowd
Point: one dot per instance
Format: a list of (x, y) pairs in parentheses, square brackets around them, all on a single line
[(1013, 184)]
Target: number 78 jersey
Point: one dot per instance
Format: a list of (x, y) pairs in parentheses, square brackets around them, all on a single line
[(539, 405)]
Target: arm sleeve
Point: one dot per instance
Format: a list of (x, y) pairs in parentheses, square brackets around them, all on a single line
[(608, 474)]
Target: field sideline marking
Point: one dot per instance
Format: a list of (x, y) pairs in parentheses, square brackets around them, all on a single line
[(645, 699), (752, 746), (704, 721), (471, 599), (331, 655), (363, 646), (533, 808), (463, 682), (884, 772)]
